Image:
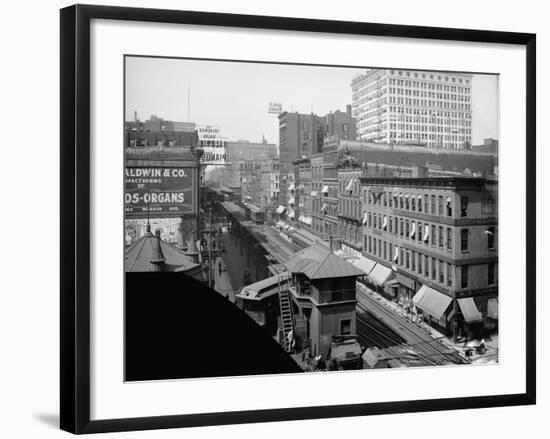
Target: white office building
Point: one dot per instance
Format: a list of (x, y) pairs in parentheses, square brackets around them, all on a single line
[(432, 109)]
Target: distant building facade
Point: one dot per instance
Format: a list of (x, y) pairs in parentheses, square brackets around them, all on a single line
[(413, 107), (329, 191), (350, 213), (245, 150), (317, 171), (303, 135)]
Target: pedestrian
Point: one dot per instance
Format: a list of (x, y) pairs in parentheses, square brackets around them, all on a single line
[(481, 348), (291, 341)]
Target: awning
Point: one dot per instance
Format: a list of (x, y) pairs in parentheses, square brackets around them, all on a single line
[(420, 197), (431, 301), (291, 201), (280, 224), (380, 274), (248, 197), (492, 308), (280, 209), (364, 264), (396, 254), (426, 233), (469, 310), (365, 218), (385, 223), (413, 230), (324, 208), (448, 199), (349, 187), (325, 189), (291, 214), (291, 187), (313, 193), (405, 281), (307, 220)]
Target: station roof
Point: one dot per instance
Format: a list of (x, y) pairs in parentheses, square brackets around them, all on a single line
[(150, 253), (263, 288), (319, 262)]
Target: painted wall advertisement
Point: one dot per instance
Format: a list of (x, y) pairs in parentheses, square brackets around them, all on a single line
[(159, 191), (212, 144)]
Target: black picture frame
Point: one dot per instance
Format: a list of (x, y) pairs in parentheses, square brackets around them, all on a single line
[(75, 217)]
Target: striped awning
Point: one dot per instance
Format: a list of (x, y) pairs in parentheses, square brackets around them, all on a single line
[(280, 209), (431, 301)]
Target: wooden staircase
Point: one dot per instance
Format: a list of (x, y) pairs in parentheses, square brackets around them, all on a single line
[(285, 305)]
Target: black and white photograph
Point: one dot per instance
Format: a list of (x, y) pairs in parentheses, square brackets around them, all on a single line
[(298, 218)]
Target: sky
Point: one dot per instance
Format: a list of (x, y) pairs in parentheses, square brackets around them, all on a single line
[(235, 95)]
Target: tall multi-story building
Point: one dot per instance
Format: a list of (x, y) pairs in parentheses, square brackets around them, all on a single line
[(302, 192), (433, 109), (316, 162), (329, 191), (303, 135), (439, 237), (270, 182), (350, 214)]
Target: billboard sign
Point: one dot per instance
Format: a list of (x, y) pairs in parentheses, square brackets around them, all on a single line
[(159, 191), (212, 144), (275, 108)]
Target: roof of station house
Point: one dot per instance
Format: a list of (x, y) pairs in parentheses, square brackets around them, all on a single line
[(319, 262), (264, 288), (150, 253)]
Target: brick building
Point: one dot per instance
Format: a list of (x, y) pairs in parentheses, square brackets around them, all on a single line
[(350, 212), (439, 237)]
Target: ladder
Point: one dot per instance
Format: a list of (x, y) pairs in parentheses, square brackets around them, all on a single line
[(285, 306)]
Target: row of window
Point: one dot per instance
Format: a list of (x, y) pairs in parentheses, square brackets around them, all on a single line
[(350, 208), (429, 94), (428, 103), (430, 76), (437, 236), (351, 232), (431, 204), (423, 265)]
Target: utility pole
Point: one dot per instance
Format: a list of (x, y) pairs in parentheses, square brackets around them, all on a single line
[(210, 247)]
